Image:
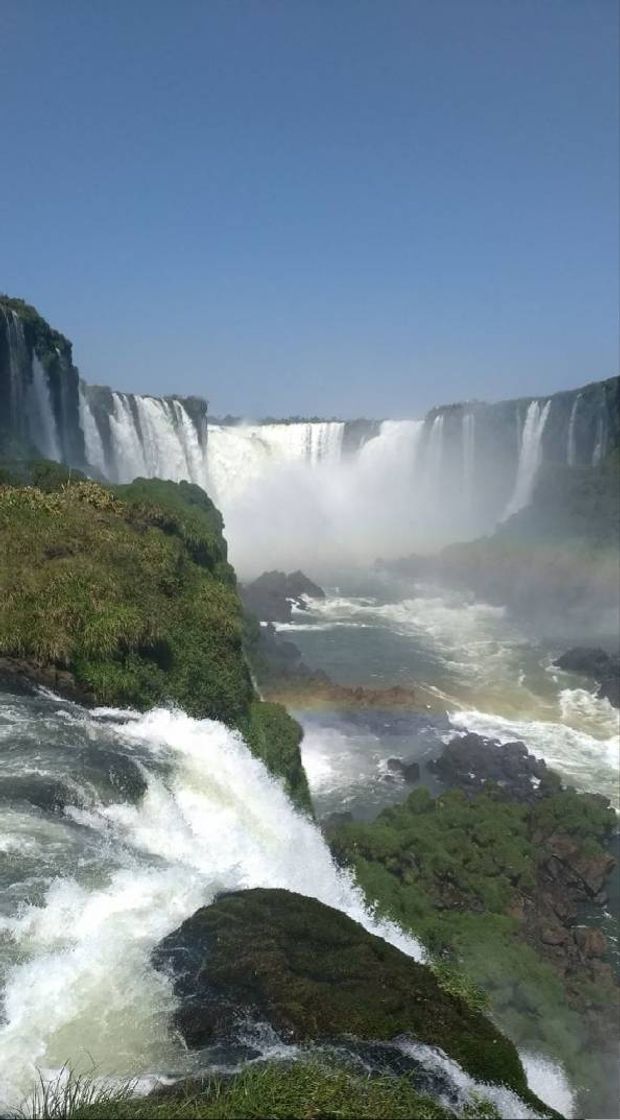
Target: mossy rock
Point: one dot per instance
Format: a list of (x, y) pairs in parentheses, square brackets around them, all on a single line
[(315, 974)]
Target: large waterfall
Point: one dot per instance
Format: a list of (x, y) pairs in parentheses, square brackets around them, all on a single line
[(332, 491)]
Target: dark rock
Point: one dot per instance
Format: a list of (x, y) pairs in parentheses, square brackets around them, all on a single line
[(554, 935), (602, 667), (472, 762), (409, 770), (315, 974), (272, 596)]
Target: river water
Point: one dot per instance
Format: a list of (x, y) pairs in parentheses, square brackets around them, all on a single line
[(115, 826)]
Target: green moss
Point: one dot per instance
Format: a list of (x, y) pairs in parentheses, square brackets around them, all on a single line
[(316, 975), (128, 588), (276, 737)]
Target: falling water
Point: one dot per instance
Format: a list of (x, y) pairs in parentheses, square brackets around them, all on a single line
[(433, 455), (95, 454), (41, 419), (469, 452), (530, 455), (571, 448), (601, 440)]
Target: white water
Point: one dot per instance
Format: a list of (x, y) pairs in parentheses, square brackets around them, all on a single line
[(469, 457), (601, 440), (158, 440), (41, 414), (530, 455), (93, 443), (571, 447), (80, 987)]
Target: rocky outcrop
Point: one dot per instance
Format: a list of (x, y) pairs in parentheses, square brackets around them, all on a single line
[(602, 667), (273, 595), (316, 975), (472, 762)]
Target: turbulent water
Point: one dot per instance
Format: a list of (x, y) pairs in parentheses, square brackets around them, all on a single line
[(91, 881), (471, 667)]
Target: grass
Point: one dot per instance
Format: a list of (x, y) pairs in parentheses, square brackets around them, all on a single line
[(128, 589), (308, 1090)]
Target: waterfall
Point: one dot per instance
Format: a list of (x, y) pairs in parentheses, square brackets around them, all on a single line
[(41, 419), (243, 454), (433, 454), (530, 455), (19, 361), (93, 443), (571, 449), (600, 443), (469, 451)]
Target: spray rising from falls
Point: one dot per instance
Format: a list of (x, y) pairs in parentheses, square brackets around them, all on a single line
[(530, 455), (104, 880)]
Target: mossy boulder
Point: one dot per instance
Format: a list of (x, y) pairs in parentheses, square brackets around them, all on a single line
[(124, 596), (316, 975)]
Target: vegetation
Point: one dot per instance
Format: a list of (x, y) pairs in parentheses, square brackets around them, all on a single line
[(318, 976), (128, 590), (453, 871), (309, 1089)]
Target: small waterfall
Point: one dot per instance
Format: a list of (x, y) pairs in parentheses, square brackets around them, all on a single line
[(41, 419), (469, 452), (93, 443), (433, 454), (571, 448), (19, 364), (126, 452), (600, 442), (530, 455)]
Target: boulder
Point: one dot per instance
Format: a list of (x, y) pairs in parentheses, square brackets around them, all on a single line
[(410, 771), (471, 761), (316, 975), (272, 596), (602, 667)]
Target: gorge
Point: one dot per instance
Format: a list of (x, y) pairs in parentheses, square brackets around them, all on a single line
[(153, 790)]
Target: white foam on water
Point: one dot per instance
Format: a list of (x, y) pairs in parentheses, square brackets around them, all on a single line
[(589, 761), (81, 988), (466, 1088), (549, 1081)]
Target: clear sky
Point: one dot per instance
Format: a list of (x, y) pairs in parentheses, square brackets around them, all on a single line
[(333, 207)]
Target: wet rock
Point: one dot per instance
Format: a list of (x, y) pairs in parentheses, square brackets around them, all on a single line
[(272, 596), (315, 974), (472, 762), (602, 667), (554, 935), (410, 771)]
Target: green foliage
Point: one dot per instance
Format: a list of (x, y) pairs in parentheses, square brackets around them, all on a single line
[(276, 737), (128, 589), (448, 870), (309, 1089)]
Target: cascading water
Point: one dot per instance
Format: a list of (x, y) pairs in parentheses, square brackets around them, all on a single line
[(93, 443), (94, 880), (42, 422), (530, 456), (469, 457), (601, 440), (571, 446)]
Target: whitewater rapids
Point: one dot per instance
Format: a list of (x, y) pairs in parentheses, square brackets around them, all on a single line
[(113, 879)]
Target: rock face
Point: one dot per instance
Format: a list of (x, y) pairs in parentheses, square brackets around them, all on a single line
[(471, 762), (410, 771), (273, 595), (315, 974), (602, 667)]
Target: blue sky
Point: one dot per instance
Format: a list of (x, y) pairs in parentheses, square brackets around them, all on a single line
[(333, 207)]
